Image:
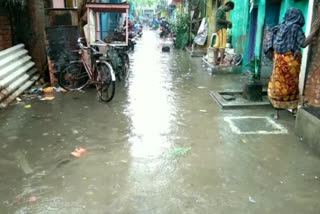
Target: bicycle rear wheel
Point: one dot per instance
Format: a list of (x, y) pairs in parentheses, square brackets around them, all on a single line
[(105, 84), (73, 77)]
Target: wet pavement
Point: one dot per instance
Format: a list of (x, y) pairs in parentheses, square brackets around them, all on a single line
[(161, 146)]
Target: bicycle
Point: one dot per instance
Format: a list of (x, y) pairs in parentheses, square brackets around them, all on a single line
[(119, 59), (117, 56), (78, 74)]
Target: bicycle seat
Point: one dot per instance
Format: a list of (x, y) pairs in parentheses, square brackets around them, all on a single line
[(97, 54), (120, 48)]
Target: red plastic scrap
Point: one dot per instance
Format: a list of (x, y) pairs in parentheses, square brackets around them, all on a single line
[(78, 152), (32, 199)]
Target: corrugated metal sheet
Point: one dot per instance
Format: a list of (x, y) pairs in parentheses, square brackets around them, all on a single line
[(17, 73)]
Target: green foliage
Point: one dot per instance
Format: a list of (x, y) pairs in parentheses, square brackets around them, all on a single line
[(253, 66), (180, 26), (195, 3), (179, 152), (143, 3), (180, 23), (182, 40)]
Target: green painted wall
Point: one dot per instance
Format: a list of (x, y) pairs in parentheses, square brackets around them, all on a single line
[(302, 5), (240, 18), (261, 4), (261, 20)]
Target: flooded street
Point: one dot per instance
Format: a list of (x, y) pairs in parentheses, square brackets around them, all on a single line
[(161, 146)]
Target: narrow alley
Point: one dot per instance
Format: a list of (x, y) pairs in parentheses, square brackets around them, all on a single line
[(161, 146)]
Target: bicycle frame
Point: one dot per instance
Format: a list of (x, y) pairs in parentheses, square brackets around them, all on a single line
[(87, 66), (91, 71)]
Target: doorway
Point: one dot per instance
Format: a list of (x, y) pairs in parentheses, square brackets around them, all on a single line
[(252, 34), (272, 19)]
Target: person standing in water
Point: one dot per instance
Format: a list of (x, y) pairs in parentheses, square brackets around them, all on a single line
[(284, 48), (221, 28)]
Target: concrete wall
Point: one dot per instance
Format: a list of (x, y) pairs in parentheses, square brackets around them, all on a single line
[(308, 127), (58, 4), (5, 31), (312, 88), (37, 45)]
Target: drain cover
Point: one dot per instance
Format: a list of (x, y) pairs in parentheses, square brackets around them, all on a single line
[(254, 125)]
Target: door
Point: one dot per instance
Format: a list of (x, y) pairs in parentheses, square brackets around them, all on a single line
[(252, 34), (272, 19)]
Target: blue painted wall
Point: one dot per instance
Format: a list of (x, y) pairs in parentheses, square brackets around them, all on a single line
[(252, 35), (108, 21)]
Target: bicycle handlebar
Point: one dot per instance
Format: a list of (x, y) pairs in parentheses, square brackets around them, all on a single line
[(82, 46)]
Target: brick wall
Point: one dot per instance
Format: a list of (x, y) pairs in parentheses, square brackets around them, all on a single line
[(312, 89), (37, 46), (5, 32)]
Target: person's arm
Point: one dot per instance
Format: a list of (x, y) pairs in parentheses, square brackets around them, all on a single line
[(314, 31), (221, 21), (315, 28)]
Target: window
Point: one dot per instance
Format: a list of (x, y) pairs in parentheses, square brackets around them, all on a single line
[(75, 3)]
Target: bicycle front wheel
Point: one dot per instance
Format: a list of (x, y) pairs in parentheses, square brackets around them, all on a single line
[(73, 77), (105, 84)]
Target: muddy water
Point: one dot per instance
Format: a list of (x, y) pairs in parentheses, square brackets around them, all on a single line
[(162, 146)]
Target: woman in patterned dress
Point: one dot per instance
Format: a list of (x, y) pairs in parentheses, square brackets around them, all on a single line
[(284, 46)]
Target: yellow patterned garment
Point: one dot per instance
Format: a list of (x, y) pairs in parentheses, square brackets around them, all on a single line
[(283, 88), (221, 39)]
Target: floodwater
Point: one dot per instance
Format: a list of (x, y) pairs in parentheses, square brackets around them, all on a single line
[(161, 146)]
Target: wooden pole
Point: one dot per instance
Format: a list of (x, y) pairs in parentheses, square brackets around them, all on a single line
[(88, 29), (127, 24), (96, 25)]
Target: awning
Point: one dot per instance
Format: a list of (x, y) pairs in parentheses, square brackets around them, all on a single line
[(108, 8), (173, 2)]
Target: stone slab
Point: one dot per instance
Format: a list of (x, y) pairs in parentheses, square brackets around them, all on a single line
[(307, 127), (238, 102)]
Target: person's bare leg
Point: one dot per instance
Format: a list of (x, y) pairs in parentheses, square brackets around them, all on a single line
[(215, 56), (221, 56), (276, 115)]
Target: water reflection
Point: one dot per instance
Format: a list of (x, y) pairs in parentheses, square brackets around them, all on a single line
[(151, 100)]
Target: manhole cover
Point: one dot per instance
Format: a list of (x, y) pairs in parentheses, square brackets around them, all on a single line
[(254, 125)]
